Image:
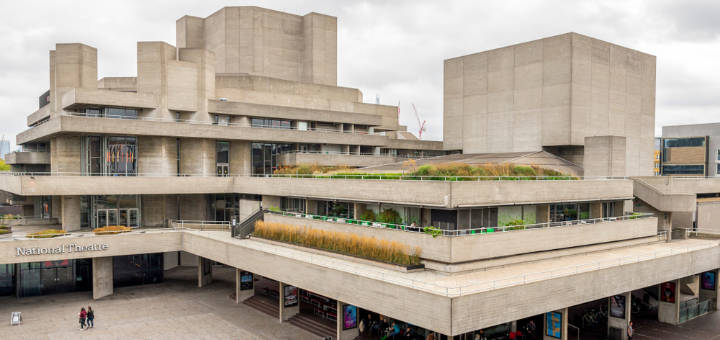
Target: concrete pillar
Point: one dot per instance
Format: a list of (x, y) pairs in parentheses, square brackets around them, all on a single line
[(619, 313), (542, 213), (197, 157), (596, 209), (709, 287), (204, 272), (157, 155), (347, 334), (311, 206), (204, 86), (287, 312), (102, 276), (243, 293), (70, 213), (240, 158), (559, 322), (669, 306), (71, 66), (171, 259), (65, 154)]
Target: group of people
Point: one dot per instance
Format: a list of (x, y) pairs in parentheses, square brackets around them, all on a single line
[(87, 316), (384, 328)]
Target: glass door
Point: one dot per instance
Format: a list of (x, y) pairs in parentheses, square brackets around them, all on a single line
[(101, 218), (112, 217), (133, 220)]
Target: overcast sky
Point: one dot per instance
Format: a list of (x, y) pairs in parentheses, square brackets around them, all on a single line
[(393, 49)]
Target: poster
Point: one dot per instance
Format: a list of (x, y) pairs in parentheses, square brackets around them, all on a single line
[(246, 280), (667, 292), (291, 296), (349, 317), (554, 324), (708, 280), (617, 306)]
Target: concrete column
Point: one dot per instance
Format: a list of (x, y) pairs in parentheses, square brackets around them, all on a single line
[(287, 312), (153, 58), (615, 302), (157, 155), (242, 294), (197, 156), (310, 206), (542, 213), (596, 210), (669, 306), (240, 158), (102, 274), (65, 154), (348, 334), (710, 294), (70, 213), (563, 321), (204, 272), (71, 66), (171, 259)]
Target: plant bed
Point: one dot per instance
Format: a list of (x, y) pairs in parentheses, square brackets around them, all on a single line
[(5, 231), (48, 233), (111, 230), (340, 242)]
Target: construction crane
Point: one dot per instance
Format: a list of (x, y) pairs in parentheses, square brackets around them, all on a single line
[(421, 124)]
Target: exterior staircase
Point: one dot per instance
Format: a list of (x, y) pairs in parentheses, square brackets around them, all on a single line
[(313, 325), (264, 305)]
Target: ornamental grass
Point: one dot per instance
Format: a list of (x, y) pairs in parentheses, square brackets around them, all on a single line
[(47, 233), (112, 229), (339, 242)]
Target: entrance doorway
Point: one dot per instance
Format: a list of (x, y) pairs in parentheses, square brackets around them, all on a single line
[(124, 216)]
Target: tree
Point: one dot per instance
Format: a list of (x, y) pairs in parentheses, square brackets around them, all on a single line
[(3, 166)]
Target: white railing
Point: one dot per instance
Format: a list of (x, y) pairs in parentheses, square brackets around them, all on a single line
[(460, 232), (200, 224)]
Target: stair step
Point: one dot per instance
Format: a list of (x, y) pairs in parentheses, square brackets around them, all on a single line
[(263, 305), (312, 325)]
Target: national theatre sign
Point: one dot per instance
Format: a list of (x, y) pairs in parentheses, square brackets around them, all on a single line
[(65, 248)]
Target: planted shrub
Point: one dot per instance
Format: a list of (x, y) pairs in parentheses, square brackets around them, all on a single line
[(389, 216), (367, 215), (339, 242), (432, 231), (112, 229), (48, 233)]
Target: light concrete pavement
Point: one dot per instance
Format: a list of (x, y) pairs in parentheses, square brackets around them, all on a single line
[(174, 309)]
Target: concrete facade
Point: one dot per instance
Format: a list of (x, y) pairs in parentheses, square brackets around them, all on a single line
[(551, 92), (102, 277)]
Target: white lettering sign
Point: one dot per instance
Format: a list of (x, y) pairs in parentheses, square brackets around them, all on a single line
[(63, 249)]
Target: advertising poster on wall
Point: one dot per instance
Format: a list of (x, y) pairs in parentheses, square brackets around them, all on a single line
[(667, 292), (708, 280), (554, 324), (246, 280), (349, 317), (617, 306), (291, 296)]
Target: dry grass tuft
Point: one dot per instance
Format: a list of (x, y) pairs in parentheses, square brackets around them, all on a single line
[(339, 242)]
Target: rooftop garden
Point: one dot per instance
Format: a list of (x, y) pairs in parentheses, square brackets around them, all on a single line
[(339, 242), (434, 172)]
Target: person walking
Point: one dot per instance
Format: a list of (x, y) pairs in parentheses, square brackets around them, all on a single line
[(90, 317), (630, 330), (83, 315)]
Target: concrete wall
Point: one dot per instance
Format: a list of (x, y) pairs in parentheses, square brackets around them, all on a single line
[(71, 66), (264, 42), (65, 154), (551, 92), (197, 156), (495, 245), (27, 158), (708, 215), (70, 213), (157, 155), (605, 156), (240, 158)]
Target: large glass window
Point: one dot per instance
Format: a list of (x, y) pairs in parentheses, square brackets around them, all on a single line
[(48, 277), (335, 209), (112, 112), (270, 123), (137, 269), (684, 169), (222, 158), (109, 156), (7, 279), (569, 212), (293, 204), (264, 157), (107, 210)]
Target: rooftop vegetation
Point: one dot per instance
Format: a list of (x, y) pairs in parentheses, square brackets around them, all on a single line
[(438, 172), (339, 242)]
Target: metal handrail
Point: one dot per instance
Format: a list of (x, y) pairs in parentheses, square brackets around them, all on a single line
[(202, 223), (247, 226), (459, 232), (350, 153)]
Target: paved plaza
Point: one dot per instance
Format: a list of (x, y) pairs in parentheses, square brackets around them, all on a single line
[(174, 309)]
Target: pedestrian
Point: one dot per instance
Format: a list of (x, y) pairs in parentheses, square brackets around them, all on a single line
[(630, 330), (83, 315), (90, 317)]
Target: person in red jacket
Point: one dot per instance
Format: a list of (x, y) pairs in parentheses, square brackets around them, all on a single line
[(83, 315)]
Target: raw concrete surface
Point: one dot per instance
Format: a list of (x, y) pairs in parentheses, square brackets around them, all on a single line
[(174, 309)]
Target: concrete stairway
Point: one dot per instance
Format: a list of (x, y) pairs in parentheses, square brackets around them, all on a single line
[(264, 305), (313, 325)]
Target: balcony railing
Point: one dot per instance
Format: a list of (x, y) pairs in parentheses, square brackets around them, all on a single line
[(459, 232)]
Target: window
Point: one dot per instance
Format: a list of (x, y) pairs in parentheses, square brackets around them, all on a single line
[(116, 112), (608, 209), (569, 212), (270, 123), (684, 169), (222, 158), (222, 120), (293, 204), (115, 155)]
